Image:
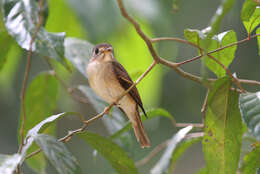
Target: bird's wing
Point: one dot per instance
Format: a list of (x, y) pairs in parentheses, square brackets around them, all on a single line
[(126, 82)]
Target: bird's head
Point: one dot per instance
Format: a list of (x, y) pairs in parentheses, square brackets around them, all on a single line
[(102, 53)]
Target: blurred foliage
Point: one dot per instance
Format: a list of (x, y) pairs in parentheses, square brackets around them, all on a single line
[(219, 24)]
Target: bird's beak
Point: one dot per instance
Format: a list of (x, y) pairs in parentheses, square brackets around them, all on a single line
[(108, 50)]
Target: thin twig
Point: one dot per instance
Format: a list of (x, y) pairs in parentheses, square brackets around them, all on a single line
[(26, 75)]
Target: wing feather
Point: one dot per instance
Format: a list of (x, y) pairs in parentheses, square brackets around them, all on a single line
[(126, 82)]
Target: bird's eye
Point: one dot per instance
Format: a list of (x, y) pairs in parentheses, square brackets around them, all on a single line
[(96, 51)]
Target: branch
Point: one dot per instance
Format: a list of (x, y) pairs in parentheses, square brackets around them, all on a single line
[(155, 56), (26, 75)]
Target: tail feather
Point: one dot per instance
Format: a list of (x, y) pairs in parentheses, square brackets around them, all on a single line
[(139, 131)]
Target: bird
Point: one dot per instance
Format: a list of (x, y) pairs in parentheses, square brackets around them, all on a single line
[(109, 79)]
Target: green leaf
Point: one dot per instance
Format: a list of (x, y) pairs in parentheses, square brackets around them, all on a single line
[(162, 165), (21, 19), (225, 56), (253, 21), (150, 114), (40, 100), (58, 154), (57, 22), (78, 52), (223, 129), (248, 9), (249, 104), (251, 161), (118, 158), (8, 163), (180, 149)]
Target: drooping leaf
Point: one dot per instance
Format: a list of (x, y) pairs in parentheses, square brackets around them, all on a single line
[(253, 21), (22, 19), (248, 9), (179, 150), (78, 52), (8, 163), (223, 129), (150, 114), (118, 158), (58, 154), (40, 100), (251, 161), (162, 165), (249, 104)]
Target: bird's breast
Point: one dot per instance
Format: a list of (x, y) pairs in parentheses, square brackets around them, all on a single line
[(103, 81)]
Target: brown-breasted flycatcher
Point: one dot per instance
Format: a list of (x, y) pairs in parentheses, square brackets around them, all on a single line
[(109, 79)]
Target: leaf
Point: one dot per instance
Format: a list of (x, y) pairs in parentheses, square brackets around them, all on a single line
[(249, 104), (38, 162), (253, 21), (248, 9), (78, 52), (21, 19), (33, 133), (179, 150), (118, 158), (225, 56), (251, 161), (162, 165), (40, 100), (223, 129), (8, 163), (58, 154), (150, 114)]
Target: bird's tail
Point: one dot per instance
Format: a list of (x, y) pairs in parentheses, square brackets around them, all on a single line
[(139, 130)]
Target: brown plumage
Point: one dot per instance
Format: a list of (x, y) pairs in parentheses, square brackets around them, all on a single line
[(109, 80)]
